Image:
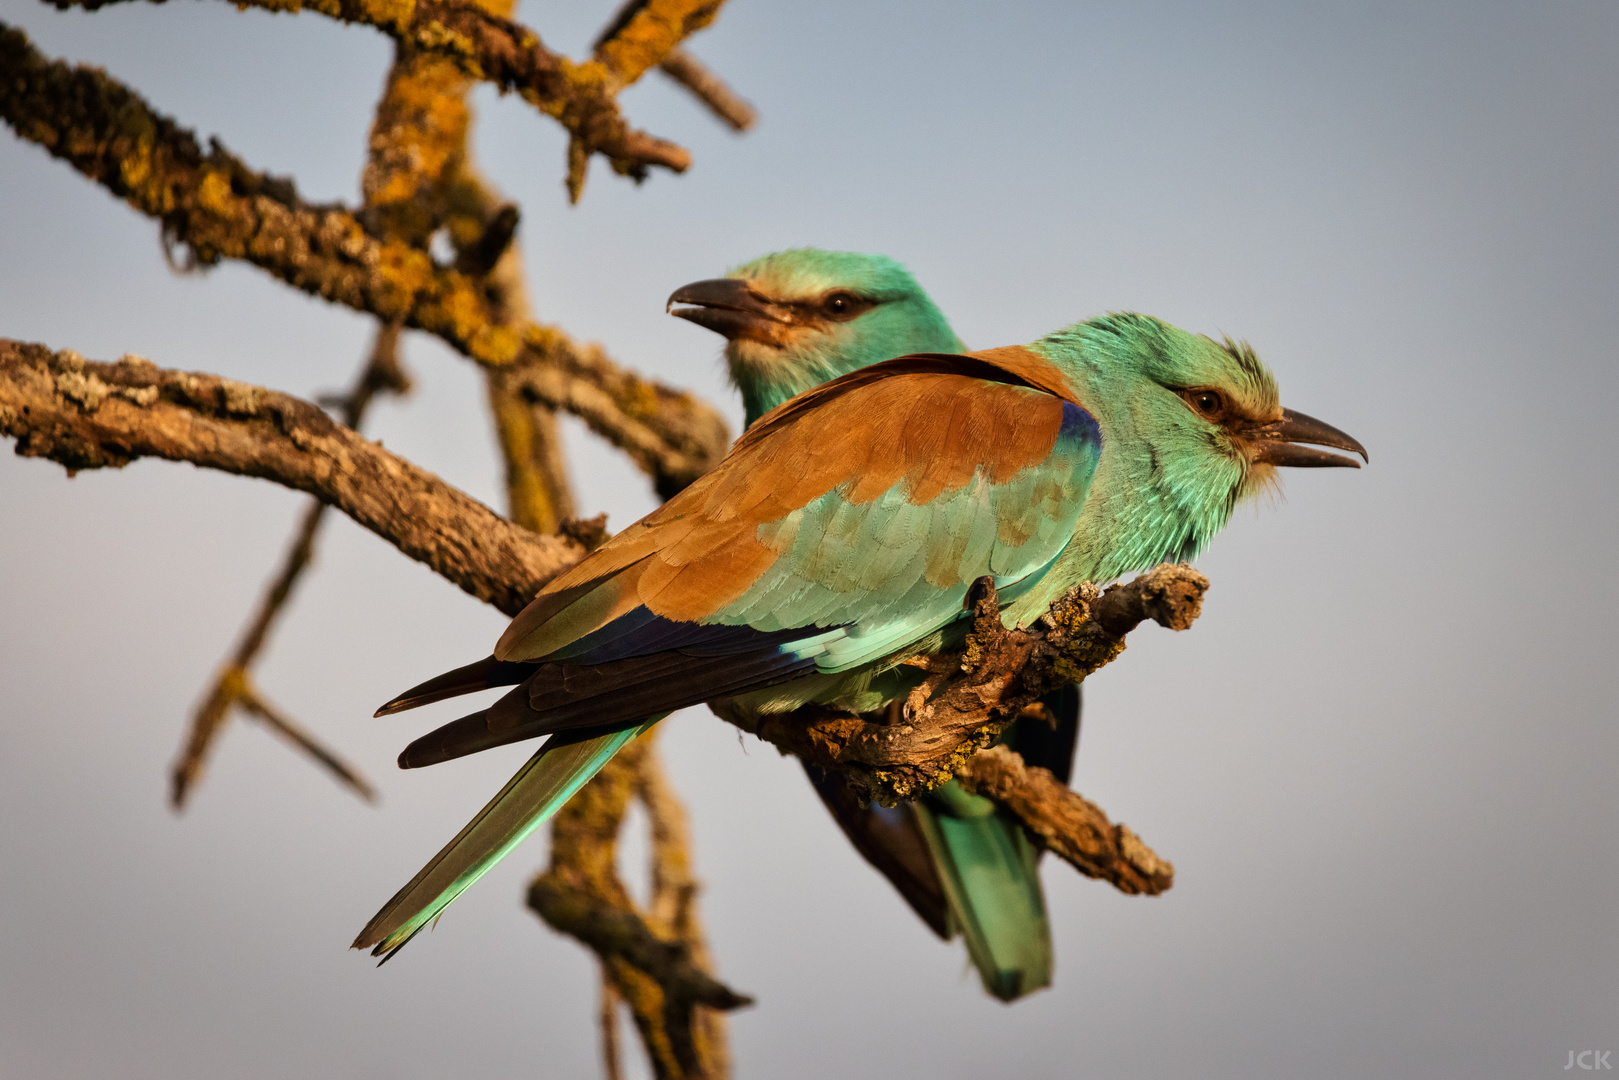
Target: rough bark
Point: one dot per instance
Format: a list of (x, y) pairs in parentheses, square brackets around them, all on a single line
[(966, 699), (217, 207), (486, 45), (87, 415), (655, 958), (1066, 823), (84, 414), (233, 685)]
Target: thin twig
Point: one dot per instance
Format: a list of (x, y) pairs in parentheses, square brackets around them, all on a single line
[(256, 707), (607, 1015), (233, 686), (725, 103)]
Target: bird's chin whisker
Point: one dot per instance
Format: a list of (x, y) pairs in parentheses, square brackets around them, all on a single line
[(1262, 483)]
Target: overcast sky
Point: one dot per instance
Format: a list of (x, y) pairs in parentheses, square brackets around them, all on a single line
[(1384, 762)]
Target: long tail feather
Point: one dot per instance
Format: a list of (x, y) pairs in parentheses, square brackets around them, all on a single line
[(481, 675), (550, 778), (890, 839), (989, 874)]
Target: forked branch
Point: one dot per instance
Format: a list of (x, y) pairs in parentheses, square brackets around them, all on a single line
[(581, 97), (233, 685), (216, 206)]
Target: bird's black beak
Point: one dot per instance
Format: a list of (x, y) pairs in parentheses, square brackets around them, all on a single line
[(730, 308), (1277, 443)]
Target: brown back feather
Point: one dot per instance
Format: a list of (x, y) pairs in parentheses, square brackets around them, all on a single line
[(931, 420)]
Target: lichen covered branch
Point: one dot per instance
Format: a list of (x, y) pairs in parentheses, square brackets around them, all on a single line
[(623, 45), (1066, 823), (655, 959), (219, 208), (87, 415), (485, 45), (966, 699)]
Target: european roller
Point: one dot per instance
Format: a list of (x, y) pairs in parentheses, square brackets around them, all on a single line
[(793, 320), (839, 537)]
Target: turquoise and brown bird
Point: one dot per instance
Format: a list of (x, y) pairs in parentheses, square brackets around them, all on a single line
[(793, 320), (839, 537)]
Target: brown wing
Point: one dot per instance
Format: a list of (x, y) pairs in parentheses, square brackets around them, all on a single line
[(929, 421)]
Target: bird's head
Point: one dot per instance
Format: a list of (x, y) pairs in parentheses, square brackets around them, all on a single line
[(796, 319), (1204, 420)]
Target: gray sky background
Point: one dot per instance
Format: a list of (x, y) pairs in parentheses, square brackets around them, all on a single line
[(1383, 762)]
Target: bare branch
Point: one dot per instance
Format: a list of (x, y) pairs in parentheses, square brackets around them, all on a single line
[(219, 208), (673, 904), (644, 32), (255, 706), (670, 434), (233, 686), (87, 415), (607, 1017), (615, 46), (1066, 823), (725, 103)]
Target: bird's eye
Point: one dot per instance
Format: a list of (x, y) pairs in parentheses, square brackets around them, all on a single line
[(842, 306), (1209, 403)]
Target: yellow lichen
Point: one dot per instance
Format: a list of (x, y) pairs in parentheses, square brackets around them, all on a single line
[(1085, 654), (214, 193), (435, 35), (652, 34)]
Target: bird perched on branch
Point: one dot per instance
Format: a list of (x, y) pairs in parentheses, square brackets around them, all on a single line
[(839, 537), (796, 319)]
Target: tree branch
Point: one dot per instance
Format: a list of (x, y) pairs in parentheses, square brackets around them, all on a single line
[(967, 698), (487, 46), (87, 415), (255, 706), (673, 903), (725, 103), (219, 208), (1066, 823), (233, 685), (658, 965), (615, 47)]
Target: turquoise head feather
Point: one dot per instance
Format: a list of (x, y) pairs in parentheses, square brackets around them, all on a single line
[(1191, 426), (796, 319)]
